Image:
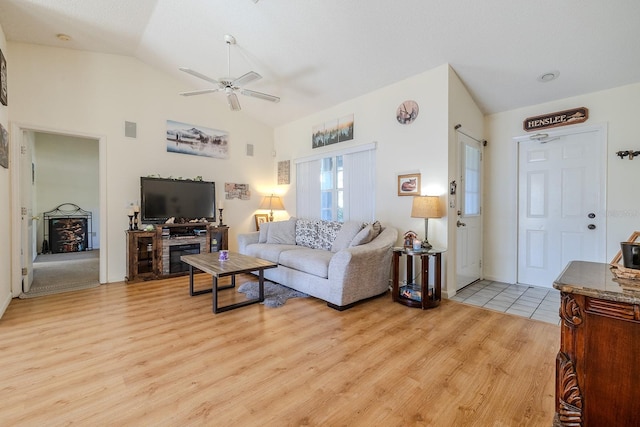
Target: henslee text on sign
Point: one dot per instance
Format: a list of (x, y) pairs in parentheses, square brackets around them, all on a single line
[(560, 118)]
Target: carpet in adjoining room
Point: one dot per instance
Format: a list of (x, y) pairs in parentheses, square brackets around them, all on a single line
[(64, 272)]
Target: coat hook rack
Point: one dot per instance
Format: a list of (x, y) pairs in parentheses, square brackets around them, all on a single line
[(630, 153)]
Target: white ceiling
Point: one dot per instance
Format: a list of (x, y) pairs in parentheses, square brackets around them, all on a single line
[(318, 53)]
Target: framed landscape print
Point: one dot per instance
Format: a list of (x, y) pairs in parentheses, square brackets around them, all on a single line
[(197, 140)]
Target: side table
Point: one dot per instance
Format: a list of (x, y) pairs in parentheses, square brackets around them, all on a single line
[(423, 295)]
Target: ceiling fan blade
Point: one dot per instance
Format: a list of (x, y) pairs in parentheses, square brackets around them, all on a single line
[(246, 78), (260, 95), (198, 75), (234, 104), (199, 92)]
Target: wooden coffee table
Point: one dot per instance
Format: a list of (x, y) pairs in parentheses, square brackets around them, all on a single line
[(237, 263)]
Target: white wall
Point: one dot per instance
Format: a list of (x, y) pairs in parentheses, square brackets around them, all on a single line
[(5, 199), (418, 147), (91, 94), (66, 170), (618, 108), (427, 146)]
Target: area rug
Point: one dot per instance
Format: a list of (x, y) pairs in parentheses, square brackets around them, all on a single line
[(275, 295), (57, 273)]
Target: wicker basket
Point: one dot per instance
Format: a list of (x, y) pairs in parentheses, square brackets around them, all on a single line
[(625, 273)]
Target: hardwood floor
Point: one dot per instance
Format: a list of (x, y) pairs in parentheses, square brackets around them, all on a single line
[(148, 354)]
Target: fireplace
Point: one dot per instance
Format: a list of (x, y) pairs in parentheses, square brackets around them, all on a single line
[(176, 251)]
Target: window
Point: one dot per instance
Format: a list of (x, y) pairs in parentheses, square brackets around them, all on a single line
[(337, 186), (471, 204), (332, 189)]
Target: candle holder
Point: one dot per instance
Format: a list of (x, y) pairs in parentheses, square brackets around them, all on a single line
[(220, 224), (130, 222), (135, 220)]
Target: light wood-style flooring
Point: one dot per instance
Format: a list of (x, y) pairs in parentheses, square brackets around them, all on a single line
[(149, 354)]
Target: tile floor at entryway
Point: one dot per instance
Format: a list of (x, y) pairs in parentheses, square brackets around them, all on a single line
[(528, 301)]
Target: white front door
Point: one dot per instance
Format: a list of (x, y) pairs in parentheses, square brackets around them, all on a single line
[(469, 220), (561, 202)]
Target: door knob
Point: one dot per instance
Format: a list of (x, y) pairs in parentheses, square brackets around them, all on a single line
[(591, 215), (591, 226), (460, 224)]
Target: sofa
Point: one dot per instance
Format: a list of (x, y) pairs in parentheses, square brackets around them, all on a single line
[(340, 263)]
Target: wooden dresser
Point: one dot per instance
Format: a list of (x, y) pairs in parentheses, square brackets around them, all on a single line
[(598, 365)]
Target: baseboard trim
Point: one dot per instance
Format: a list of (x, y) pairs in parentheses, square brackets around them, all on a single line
[(5, 303)]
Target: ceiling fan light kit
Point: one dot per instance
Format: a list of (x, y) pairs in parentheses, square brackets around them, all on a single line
[(228, 84)]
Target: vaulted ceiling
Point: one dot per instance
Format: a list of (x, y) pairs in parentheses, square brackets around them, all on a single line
[(314, 54)]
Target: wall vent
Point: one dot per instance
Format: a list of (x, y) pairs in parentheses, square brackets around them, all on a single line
[(130, 129)]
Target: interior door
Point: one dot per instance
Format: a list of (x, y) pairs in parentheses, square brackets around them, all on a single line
[(469, 221), (27, 254), (561, 203)]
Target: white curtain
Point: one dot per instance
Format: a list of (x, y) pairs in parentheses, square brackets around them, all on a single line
[(308, 189), (359, 183), (359, 186)]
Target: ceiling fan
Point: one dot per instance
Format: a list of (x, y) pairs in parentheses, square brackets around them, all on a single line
[(228, 84)]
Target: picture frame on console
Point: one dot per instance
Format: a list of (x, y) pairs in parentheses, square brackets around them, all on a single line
[(261, 219)]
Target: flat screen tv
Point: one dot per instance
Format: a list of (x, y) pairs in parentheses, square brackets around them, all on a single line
[(163, 198)]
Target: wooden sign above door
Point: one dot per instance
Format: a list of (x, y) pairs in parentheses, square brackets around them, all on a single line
[(561, 118)]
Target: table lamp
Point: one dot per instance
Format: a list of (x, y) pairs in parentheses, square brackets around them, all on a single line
[(271, 203), (426, 207)]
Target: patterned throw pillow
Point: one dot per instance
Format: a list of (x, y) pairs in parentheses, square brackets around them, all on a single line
[(327, 232), (307, 232), (316, 234)]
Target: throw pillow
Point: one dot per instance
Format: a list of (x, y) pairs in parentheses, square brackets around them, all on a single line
[(282, 232), (264, 230), (364, 236), (345, 235), (327, 232), (377, 228), (307, 233)]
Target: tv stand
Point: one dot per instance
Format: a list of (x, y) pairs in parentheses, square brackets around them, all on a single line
[(152, 254)]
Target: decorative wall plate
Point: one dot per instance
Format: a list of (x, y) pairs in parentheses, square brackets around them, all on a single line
[(407, 112)]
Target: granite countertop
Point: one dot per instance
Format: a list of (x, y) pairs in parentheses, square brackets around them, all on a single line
[(595, 279)]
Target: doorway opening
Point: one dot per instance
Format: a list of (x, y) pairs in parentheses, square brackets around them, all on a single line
[(54, 168), (65, 173)]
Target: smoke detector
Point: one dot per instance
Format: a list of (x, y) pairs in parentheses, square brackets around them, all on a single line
[(548, 76)]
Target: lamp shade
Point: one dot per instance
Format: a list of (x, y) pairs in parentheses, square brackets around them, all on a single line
[(426, 207), (272, 203)]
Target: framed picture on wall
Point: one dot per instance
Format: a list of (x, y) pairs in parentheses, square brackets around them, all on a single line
[(4, 147), (261, 219), (3, 79), (409, 185)]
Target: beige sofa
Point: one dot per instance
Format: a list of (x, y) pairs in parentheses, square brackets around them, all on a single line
[(338, 263)]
